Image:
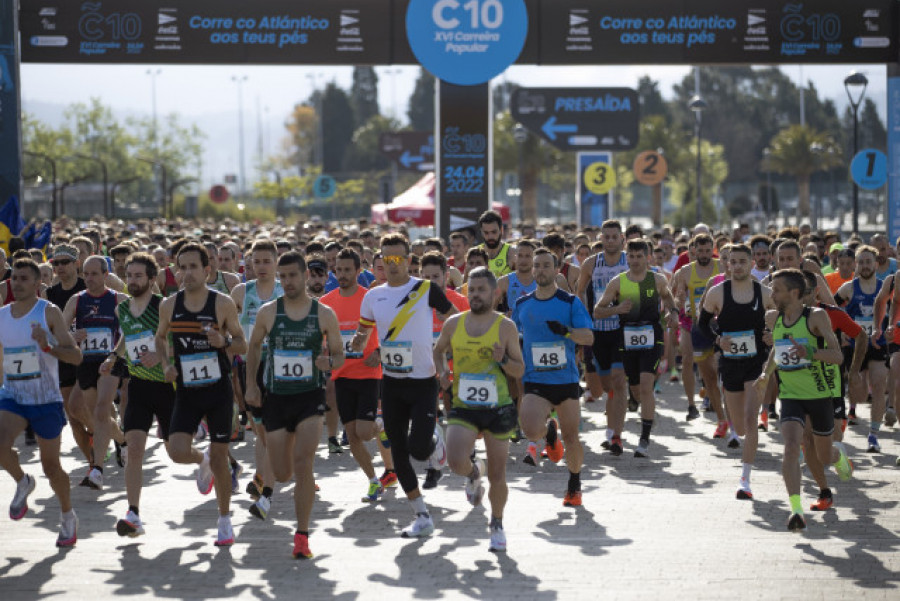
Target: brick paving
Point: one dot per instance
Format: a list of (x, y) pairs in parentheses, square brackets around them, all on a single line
[(661, 528)]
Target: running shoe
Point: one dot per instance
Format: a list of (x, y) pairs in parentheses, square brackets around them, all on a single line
[(95, 479), (605, 445), (334, 447), (824, 502), (531, 456), (225, 537), (86, 481), (121, 454), (890, 417), (439, 455), (517, 435), (431, 478), (374, 493), (874, 447), (388, 479), (204, 476), (68, 530), (261, 508), (572, 498), (763, 422), (674, 377), (130, 525), (201, 432), (474, 486), (703, 394), (721, 430), (615, 446), (236, 471), (734, 441), (744, 493), (851, 416), (554, 447), (843, 466), (707, 405), (19, 506), (692, 413), (301, 547), (587, 397), (796, 523), (421, 527), (498, 540), (643, 448), (253, 487), (657, 390), (772, 413), (345, 442)]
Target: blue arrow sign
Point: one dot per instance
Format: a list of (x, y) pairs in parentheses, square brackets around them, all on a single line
[(407, 159), (550, 128)]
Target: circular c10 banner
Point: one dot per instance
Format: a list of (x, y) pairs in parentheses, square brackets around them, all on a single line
[(466, 42)]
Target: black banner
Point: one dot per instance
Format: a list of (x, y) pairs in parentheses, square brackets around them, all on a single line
[(410, 150), (712, 31), (463, 153), (323, 32)]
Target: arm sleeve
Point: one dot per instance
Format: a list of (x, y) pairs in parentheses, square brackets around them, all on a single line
[(706, 325), (437, 300), (841, 321)]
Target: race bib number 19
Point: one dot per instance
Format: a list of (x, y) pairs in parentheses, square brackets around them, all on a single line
[(396, 356)]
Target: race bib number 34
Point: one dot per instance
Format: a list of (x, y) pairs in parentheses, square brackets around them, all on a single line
[(548, 356), (396, 356), (743, 344)]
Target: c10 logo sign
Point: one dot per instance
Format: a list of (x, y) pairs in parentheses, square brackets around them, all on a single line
[(466, 42), (95, 26), (796, 27)]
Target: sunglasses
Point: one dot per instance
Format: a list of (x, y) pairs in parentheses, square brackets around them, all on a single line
[(393, 260)]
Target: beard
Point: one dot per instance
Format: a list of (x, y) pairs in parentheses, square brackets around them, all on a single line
[(316, 288), (138, 291), (478, 307), (703, 262), (492, 244)]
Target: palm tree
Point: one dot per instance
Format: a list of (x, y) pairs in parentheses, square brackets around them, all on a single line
[(800, 151)]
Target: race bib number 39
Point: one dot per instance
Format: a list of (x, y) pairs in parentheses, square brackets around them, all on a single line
[(97, 342), (478, 390), (293, 366), (138, 344), (200, 369), (787, 357), (548, 356), (743, 344), (639, 337), (21, 363), (396, 356)]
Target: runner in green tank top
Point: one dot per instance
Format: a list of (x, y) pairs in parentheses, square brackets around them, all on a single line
[(294, 404), (485, 349), (802, 341)]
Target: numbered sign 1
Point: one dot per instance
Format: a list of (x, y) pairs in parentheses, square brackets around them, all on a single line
[(599, 178), (869, 169), (650, 168)]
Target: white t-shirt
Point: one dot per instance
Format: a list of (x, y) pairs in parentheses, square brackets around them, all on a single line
[(759, 274), (403, 317)]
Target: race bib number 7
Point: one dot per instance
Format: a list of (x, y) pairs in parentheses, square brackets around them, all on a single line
[(21, 363)]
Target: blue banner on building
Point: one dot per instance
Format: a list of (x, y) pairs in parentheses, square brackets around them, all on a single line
[(893, 148), (10, 136), (595, 170)]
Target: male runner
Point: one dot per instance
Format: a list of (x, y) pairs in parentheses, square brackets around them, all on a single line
[(556, 243), (219, 280), (596, 274), (401, 310), (34, 337), (500, 261), (294, 326), (198, 320), (552, 323), (762, 257), (485, 349), (739, 306), (803, 341), (635, 296), (149, 394)]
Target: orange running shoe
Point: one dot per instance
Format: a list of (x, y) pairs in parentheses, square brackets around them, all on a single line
[(764, 422), (721, 430), (823, 503), (554, 448), (301, 546), (388, 479), (573, 499)]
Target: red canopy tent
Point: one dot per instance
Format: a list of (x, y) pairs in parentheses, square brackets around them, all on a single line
[(417, 205)]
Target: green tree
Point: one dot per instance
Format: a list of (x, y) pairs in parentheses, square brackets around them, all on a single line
[(364, 153), (800, 151), (364, 94), (650, 98), (872, 132), (421, 103), (337, 123)]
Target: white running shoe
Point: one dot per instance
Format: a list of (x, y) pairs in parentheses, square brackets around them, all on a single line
[(226, 533), (421, 527), (130, 525), (261, 508), (201, 432), (498, 540), (643, 449), (439, 456), (95, 477), (474, 486), (205, 478), (68, 529), (19, 506)]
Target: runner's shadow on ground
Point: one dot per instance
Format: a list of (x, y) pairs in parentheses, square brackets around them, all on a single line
[(577, 527), (857, 561), (40, 572), (434, 575)]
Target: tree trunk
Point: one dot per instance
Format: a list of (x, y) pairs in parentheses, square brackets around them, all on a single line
[(657, 205), (803, 201), (529, 193)]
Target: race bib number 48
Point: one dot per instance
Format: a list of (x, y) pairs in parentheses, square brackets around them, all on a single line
[(548, 356)]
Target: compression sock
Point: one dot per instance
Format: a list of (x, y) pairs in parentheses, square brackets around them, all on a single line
[(646, 426), (574, 481), (796, 504)]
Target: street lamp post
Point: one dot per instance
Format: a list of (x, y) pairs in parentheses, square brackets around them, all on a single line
[(239, 80), (767, 154), (855, 84), (53, 184), (105, 171), (698, 105), (818, 151), (153, 73), (520, 135), (163, 173)]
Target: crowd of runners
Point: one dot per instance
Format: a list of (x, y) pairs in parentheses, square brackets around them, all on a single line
[(202, 336)]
